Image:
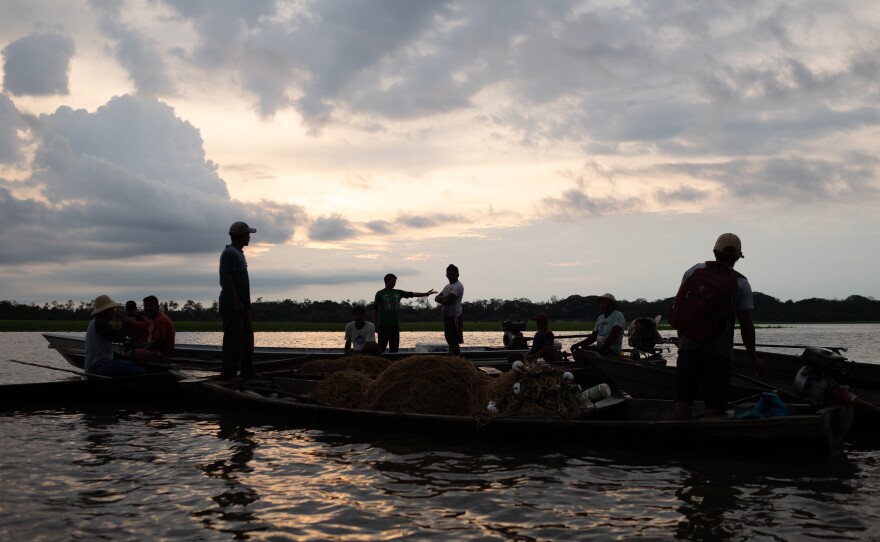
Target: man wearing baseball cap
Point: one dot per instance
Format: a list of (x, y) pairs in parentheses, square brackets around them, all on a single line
[(704, 363), (235, 305)]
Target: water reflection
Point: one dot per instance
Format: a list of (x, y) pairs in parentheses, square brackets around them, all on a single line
[(726, 500), (233, 512)]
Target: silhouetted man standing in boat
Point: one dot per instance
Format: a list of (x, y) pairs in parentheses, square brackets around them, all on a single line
[(705, 349), (235, 305), (386, 312), (450, 305)]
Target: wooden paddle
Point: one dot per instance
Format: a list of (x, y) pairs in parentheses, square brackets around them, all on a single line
[(800, 346), (782, 393), (79, 373)]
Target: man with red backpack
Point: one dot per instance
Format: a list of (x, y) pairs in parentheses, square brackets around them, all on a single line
[(711, 297)]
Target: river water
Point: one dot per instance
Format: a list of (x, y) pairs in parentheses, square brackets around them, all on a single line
[(190, 474)]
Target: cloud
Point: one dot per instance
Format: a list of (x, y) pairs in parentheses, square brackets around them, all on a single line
[(332, 228), (138, 54), (128, 180), (380, 226), (10, 123), (680, 194), (37, 65), (577, 203), (429, 220), (791, 179)]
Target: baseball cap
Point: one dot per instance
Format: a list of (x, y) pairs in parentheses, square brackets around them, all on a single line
[(729, 243), (240, 228)]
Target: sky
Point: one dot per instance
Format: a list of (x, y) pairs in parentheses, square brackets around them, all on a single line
[(546, 148)]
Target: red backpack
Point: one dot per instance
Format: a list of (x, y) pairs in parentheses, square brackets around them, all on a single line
[(704, 302)]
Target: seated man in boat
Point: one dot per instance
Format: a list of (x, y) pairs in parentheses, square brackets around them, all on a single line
[(542, 343), (360, 335), (100, 336), (607, 335), (159, 346), (133, 335)]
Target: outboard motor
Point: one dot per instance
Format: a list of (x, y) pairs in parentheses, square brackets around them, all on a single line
[(643, 337), (819, 380), (513, 337)]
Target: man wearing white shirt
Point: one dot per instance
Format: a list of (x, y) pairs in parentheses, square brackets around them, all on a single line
[(360, 335), (450, 305)]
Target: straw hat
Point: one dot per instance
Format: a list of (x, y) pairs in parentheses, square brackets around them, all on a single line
[(609, 297), (103, 302)]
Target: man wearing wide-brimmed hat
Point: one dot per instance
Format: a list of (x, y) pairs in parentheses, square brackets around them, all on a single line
[(235, 304), (607, 335), (100, 337)]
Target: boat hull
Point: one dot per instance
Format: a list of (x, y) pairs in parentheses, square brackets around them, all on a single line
[(629, 423), (155, 389)]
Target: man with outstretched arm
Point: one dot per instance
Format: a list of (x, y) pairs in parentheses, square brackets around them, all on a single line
[(386, 312)]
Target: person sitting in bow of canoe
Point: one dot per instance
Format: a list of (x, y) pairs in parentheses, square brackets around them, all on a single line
[(360, 335), (159, 346), (542, 343), (133, 335), (100, 337), (607, 334)]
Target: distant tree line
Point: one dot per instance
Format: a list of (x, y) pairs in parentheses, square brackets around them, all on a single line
[(573, 308)]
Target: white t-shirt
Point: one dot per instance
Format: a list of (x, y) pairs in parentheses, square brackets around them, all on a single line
[(604, 326), (359, 337), (454, 309)]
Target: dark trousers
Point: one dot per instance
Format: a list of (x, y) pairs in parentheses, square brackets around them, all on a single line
[(696, 369), (389, 336), (118, 367), (238, 344)]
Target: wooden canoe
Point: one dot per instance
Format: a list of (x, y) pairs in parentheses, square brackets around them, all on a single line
[(658, 382), (615, 423), (200, 356), (155, 389)]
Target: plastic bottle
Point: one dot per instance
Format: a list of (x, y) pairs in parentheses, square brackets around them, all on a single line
[(598, 392)]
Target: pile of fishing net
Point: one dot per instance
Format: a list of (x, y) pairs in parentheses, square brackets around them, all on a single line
[(423, 384), (343, 388), (430, 384), (537, 390), (368, 365)]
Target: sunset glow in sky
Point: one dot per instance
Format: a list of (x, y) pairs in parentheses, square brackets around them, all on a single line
[(546, 148)]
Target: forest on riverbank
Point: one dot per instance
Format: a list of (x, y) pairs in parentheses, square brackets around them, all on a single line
[(573, 308)]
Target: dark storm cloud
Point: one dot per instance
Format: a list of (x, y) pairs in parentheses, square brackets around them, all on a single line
[(578, 203), (682, 79), (130, 179), (139, 55), (430, 220), (680, 194), (37, 65), (332, 228), (10, 123), (795, 180), (382, 227)]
